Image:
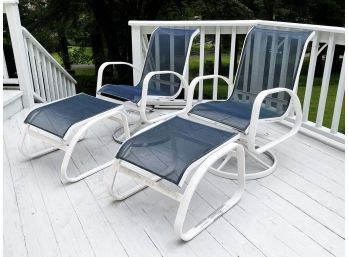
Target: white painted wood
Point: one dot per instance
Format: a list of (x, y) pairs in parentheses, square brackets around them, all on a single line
[(48, 87), (137, 55), (53, 87), (294, 212), (14, 242), (326, 80), (61, 86), (201, 61), (246, 69), (12, 103), (283, 71), (4, 69), (339, 100), (56, 82), (229, 23), (216, 62), (44, 52), (310, 78), (10, 81), (232, 57), (19, 52), (33, 67), (39, 74)]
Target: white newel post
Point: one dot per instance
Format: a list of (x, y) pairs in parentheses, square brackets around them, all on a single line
[(20, 55), (137, 53)]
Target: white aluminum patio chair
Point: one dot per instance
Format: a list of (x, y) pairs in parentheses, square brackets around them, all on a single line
[(264, 91), (63, 123), (161, 79)]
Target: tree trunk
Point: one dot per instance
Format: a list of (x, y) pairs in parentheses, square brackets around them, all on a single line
[(63, 46), (97, 48)]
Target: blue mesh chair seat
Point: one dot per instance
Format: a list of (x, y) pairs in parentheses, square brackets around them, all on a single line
[(125, 92), (168, 149), (57, 118), (231, 113)]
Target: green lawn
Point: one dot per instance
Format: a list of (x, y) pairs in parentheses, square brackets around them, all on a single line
[(87, 80)]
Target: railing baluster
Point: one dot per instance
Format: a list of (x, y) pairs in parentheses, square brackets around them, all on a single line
[(50, 81), (339, 100), (283, 71), (172, 59), (246, 70), (5, 72), (326, 80), (73, 87), (56, 82), (64, 86), (232, 58), (216, 62), (33, 68), (201, 62), (60, 85), (45, 78), (68, 88), (39, 74), (310, 77), (258, 67)]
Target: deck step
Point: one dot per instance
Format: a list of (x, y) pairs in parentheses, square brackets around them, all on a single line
[(12, 102)]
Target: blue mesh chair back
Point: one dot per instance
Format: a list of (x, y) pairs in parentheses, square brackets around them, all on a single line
[(169, 49), (270, 59)]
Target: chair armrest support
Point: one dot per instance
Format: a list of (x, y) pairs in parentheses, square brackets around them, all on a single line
[(144, 95), (255, 120), (194, 83), (103, 66)]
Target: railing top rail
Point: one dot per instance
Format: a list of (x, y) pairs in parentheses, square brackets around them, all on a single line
[(47, 54), (212, 23), (10, 1)]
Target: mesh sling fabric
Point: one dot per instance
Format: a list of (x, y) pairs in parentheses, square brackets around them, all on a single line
[(168, 50), (270, 59), (169, 148), (56, 118)]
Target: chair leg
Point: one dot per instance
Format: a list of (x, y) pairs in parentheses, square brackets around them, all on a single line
[(71, 146), (124, 195), (191, 188), (37, 154)]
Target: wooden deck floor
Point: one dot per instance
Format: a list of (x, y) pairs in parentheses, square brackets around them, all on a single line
[(297, 211)]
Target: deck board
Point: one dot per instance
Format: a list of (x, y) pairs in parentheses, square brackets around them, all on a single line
[(297, 211)]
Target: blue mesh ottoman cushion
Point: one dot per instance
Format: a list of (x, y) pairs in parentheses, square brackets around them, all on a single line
[(231, 113), (169, 148), (56, 118)]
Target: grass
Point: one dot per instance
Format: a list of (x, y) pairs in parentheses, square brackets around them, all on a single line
[(86, 82)]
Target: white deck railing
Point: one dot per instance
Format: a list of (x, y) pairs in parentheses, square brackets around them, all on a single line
[(50, 80), (329, 36), (40, 76)]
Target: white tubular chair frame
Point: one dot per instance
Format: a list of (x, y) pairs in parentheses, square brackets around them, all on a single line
[(145, 98), (68, 144), (249, 138), (201, 167), (105, 64)]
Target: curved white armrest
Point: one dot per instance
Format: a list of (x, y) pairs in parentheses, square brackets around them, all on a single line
[(102, 67), (194, 83), (255, 120), (144, 95)]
